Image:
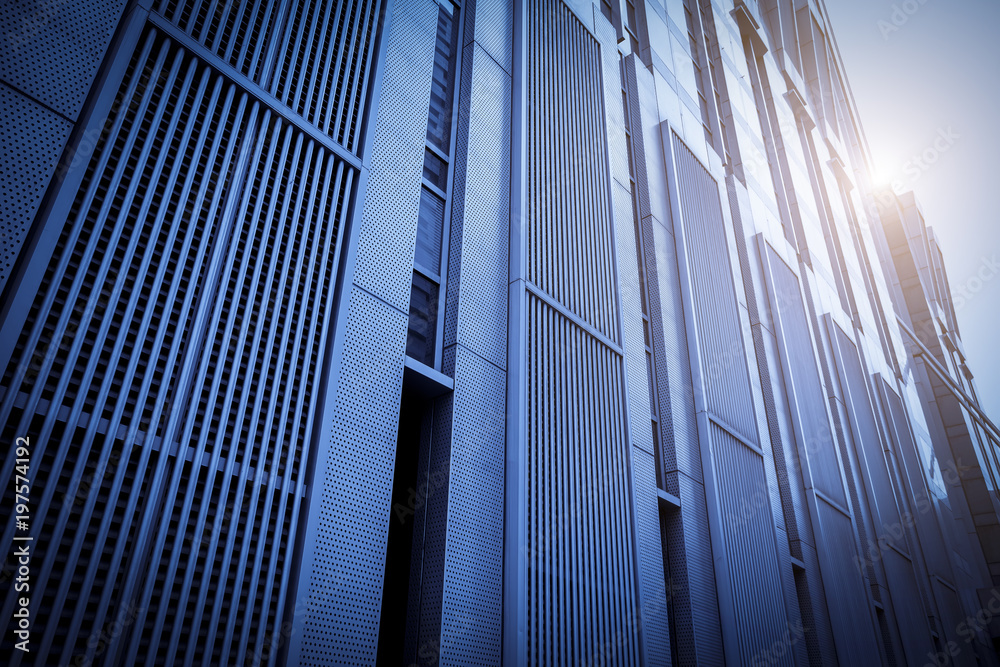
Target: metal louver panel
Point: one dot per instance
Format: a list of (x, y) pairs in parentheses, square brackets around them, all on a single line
[(239, 32), (723, 359), (803, 384), (323, 66), (569, 232), (170, 388), (751, 600), (579, 534)]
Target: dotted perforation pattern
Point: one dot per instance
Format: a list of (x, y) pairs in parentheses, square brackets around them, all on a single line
[(477, 312), (490, 24), (51, 49), (354, 490), (473, 582), (31, 140), (387, 238)]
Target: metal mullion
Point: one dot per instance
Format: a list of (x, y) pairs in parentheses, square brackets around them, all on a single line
[(588, 372), (330, 106), (286, 52), (448, 208), (165, 448), (366, 66), (601, 291), (586, 254), (557, 201), (203, 34), (147, 381), (350, 88), (433, 188), (303, 200), (217, 43), (538, 609), (427, 273), (244, 475), (164, 474), (309, 28), (60, 270), (605, 460), (244, 52), (567, 412), (39, 386), (284, 165), (600, 179), (176, 348), (565, 544), (574, 296), (626, 509), (317, 85)]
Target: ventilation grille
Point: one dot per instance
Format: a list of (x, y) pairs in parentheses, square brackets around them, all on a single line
[(569, 232), (806, 392), (238, 32), (752, 559), (579, 535), (174, 340), (322, 72)]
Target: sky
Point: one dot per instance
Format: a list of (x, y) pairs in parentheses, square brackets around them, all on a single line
[(919, 70)]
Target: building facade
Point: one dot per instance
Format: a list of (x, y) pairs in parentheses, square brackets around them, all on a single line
[(474, 332)]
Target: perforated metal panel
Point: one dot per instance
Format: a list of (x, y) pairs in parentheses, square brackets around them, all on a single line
[(489, 23), (343, 581), (477, 271), (472, 603), (51, 50), (388, 236), (31, 141), (323, 68)]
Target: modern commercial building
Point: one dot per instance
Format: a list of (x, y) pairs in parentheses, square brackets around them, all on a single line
[(427, 332)]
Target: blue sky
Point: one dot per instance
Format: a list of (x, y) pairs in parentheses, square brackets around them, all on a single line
[(918, 68)]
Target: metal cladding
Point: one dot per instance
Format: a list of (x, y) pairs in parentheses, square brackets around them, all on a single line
[(480, 332)]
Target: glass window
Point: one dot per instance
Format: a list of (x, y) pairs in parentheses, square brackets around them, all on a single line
[(422, 331), (435, 170), (442, 82), (430, 227)]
